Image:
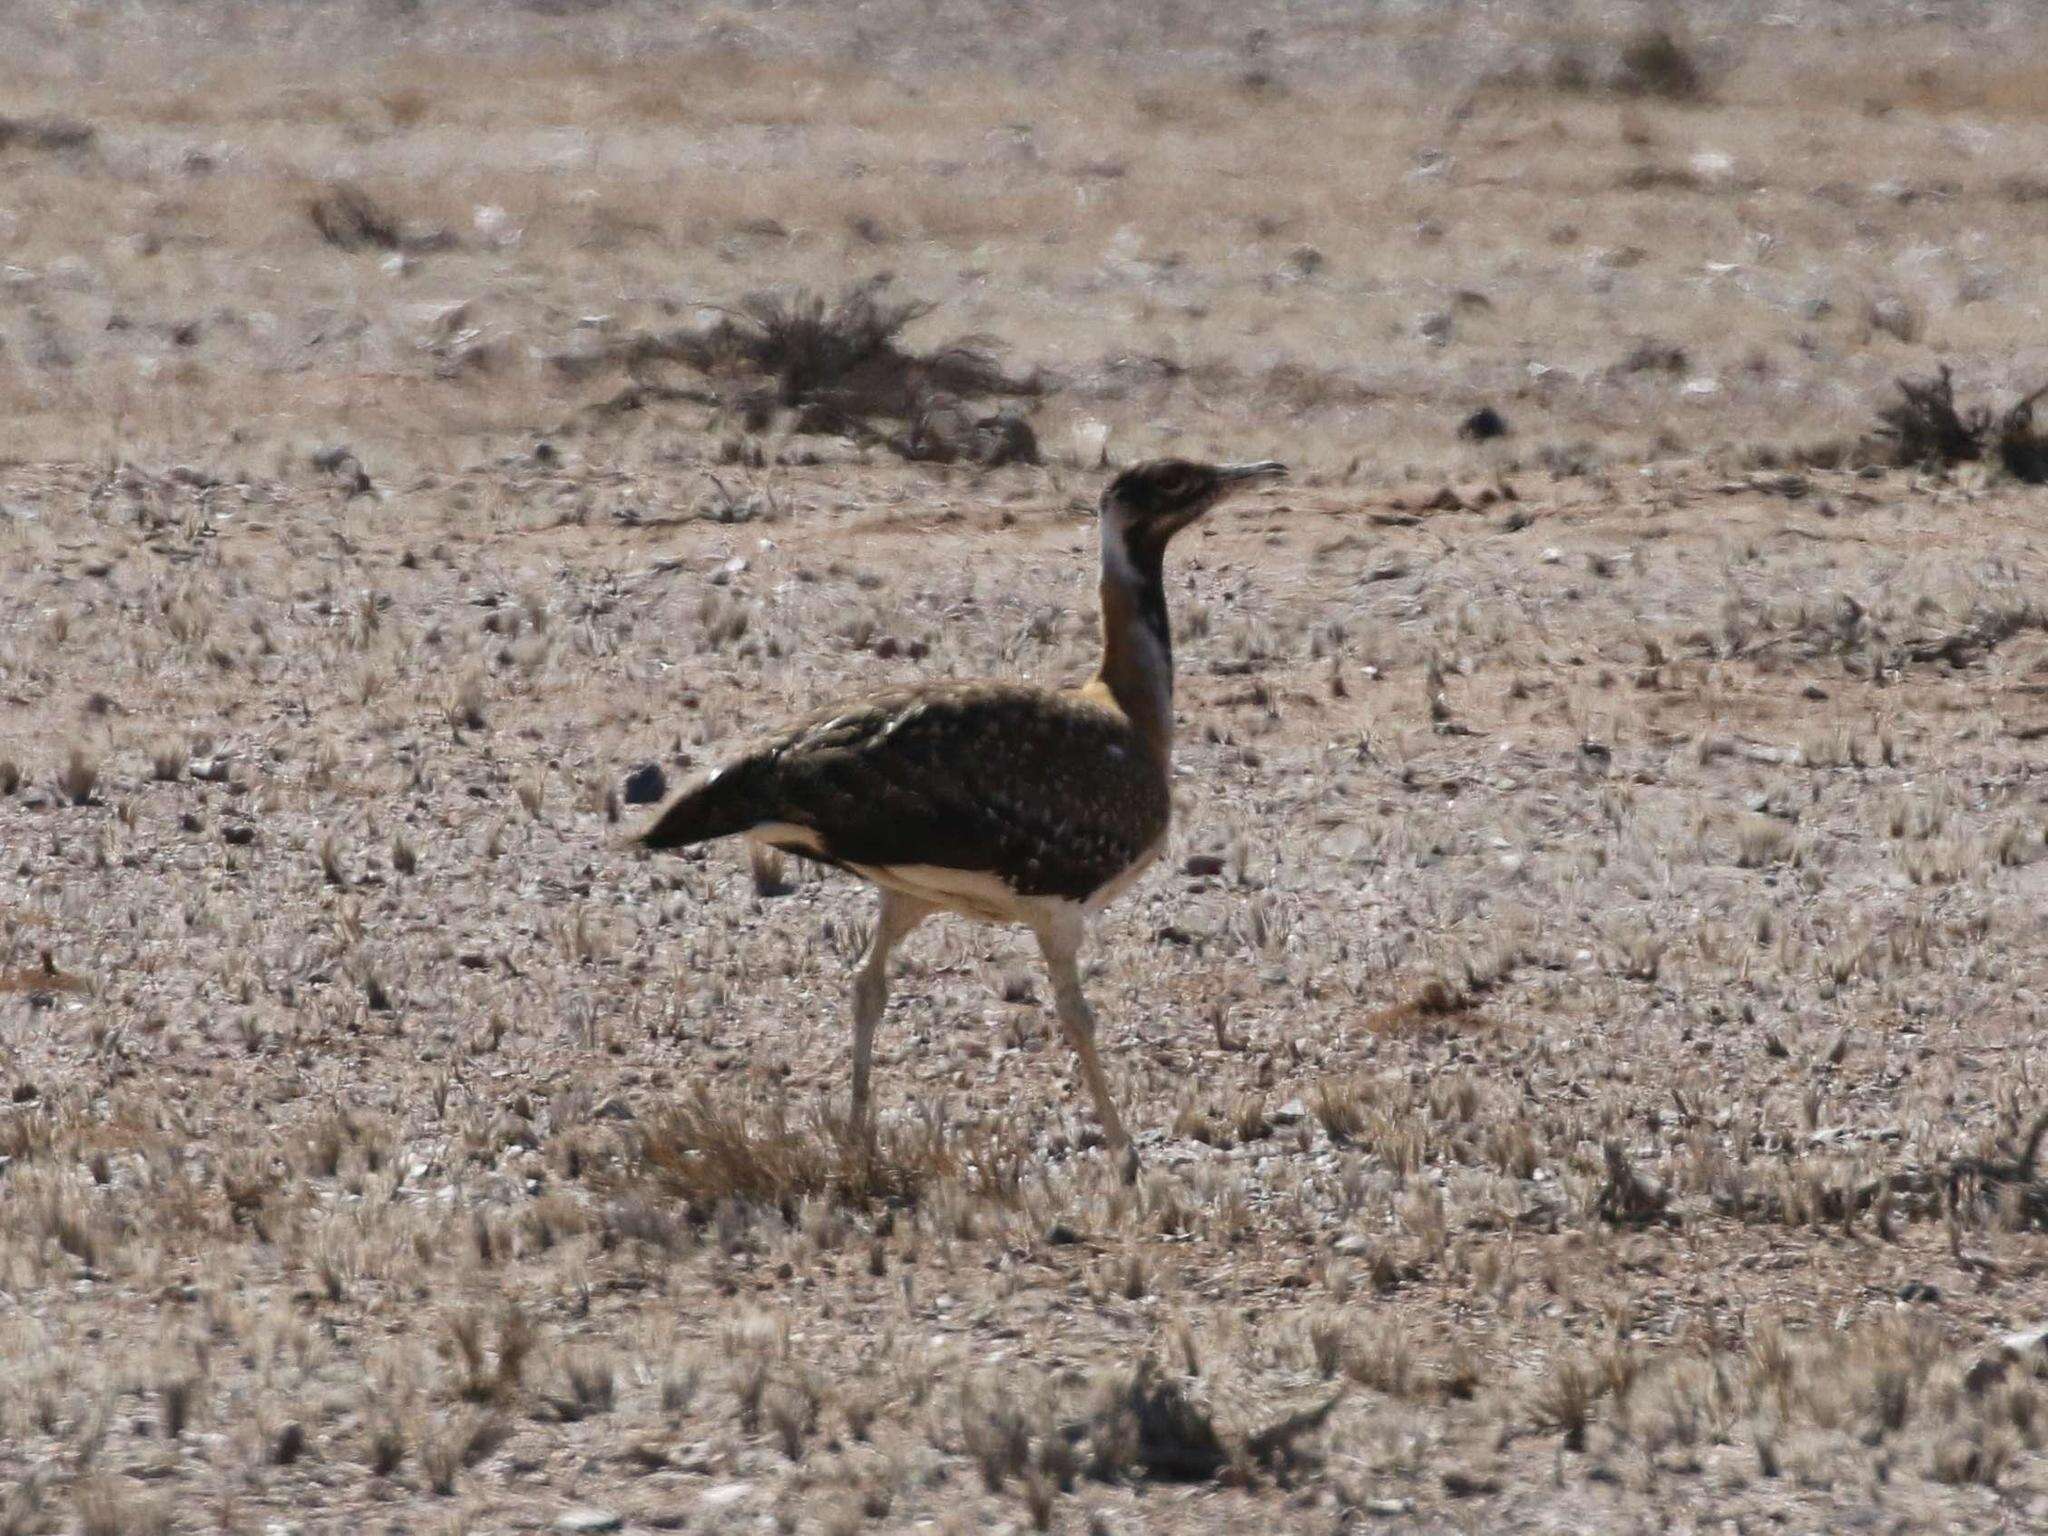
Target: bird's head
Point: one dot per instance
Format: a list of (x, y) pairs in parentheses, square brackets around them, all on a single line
[(1149, 503)]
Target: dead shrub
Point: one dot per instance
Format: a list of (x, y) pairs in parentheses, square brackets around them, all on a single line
[(1652, 64), (1927, 429), (815, 350), (1656, 63), (837, 364)]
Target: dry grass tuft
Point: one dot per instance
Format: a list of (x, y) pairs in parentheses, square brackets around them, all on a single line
[(1436, 1008), (1564, 1399), (1630, 1198), (2015, 1179), (706, 1154), (458, 1442), (769, 871), (1146, 1424), (485, 1379), (78, 778), (1149, 1424), (46, 133), (43, 979), (107, 1507), (350, 220)]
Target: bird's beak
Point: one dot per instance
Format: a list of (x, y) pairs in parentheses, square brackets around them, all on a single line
[(1239, 474)]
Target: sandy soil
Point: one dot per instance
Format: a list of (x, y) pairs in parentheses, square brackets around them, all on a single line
[(1581, 1036)]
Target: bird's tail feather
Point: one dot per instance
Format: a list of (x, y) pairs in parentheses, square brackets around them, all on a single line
[(679, 823), (702, 810)]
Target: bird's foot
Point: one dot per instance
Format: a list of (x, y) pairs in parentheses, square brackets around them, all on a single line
[(1127, 1164)]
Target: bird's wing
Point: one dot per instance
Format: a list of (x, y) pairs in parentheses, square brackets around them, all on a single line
[(1048, 791)]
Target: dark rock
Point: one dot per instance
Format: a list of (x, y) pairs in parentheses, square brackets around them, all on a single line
[(646, 784), (1483, 424)]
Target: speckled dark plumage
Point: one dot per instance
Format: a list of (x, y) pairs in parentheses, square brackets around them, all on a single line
[(1052, 793)]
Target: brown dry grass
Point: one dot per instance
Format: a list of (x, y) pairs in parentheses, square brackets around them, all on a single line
[(704, 1154)]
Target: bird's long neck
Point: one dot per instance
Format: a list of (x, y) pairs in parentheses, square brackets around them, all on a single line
[(1137, 647)]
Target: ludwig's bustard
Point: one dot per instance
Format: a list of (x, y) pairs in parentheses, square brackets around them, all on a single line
[(1004, 802)]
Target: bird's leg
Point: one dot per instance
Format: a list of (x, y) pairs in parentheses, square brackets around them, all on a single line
[(898, 916), (1060, 942)]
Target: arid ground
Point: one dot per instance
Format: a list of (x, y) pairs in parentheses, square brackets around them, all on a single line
[(1583, 1037)]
